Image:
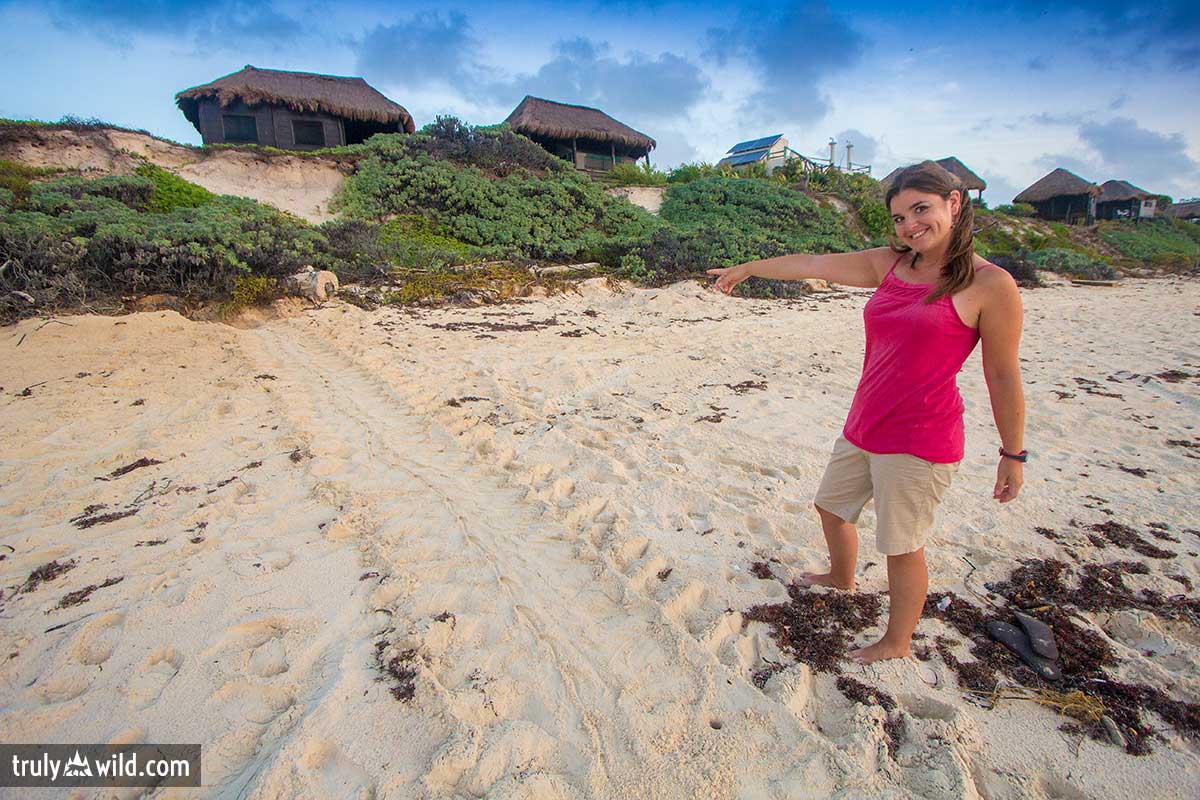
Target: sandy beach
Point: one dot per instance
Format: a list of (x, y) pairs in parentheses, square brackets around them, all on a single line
[(509, 551)]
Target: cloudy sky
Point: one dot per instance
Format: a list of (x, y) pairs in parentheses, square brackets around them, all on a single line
[(1105, 89)]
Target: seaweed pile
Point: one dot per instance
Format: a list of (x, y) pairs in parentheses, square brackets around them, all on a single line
[(815, 627)]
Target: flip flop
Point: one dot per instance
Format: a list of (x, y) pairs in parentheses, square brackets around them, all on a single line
[(1041, 638), (1015, 640)]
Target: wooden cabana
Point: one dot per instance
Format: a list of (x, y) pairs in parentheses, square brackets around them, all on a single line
[(1062, 195), (290, 110), (1123, 200), (587, 137)]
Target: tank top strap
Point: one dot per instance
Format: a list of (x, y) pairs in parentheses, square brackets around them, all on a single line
[(895, 264)]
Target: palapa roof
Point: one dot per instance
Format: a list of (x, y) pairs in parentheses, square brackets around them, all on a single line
[(1189, 209), (1057, 183), (304, 92), (552, 120), (1115, 191), (966, 177), (890, 178), (957, 168)]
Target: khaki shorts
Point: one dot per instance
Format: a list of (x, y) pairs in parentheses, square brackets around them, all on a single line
[(906, 489)]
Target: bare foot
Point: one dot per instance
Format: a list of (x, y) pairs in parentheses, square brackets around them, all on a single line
[(807, 579), (880, 651)]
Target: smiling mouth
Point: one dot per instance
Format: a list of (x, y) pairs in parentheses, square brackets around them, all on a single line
[(916, 236)]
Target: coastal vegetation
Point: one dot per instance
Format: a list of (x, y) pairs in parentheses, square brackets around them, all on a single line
[(416, 209)]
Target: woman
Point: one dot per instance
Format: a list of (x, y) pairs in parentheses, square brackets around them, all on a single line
[(903, 438)]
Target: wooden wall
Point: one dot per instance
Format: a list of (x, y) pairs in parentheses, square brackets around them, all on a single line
[(273, 123)]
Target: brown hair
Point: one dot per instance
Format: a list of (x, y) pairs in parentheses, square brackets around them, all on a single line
[(959, 269)]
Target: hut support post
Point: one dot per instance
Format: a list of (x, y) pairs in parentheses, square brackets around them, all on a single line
[(613, 145), (574, 154)]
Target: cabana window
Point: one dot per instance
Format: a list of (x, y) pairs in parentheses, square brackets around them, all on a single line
[(239, 128), (308, 133)]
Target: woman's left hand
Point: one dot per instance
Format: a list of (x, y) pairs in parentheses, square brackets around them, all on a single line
[(1010, 474)]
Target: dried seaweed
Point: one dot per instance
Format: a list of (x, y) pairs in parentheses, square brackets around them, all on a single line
[(859, 692), (397, 667), (80, 596), (46, 573), (815, 627)]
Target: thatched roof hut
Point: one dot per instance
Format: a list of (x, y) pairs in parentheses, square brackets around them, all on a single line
[(1114, 191), (1062, 195), (1060, 182), (1121, 199), (957, 168), (586, 136), (1188, 209), (968, 179), (353, 109)]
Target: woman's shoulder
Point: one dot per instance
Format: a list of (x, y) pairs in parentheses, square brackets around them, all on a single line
[(994, 284), (989, 274)]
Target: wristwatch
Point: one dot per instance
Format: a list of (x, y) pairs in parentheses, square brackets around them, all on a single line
[(1022, 456)]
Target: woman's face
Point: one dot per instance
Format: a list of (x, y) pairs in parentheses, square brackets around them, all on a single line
[(924, 221)]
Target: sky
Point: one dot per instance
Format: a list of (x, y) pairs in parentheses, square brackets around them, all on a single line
[(1012, 88)]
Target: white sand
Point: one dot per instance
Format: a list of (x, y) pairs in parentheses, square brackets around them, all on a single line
[(565, 557)]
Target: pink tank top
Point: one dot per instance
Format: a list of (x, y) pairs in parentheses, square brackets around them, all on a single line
[(907, 400)]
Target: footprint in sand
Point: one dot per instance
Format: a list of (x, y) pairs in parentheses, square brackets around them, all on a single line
[(95, 643), (152, 677), (759, 527), (326, 771), (590, 511), (631, 551), (650, 573), (268, 659), (728, 625), (240, 700), (275, 559), (562, 490), (65, 684), (682, 607)]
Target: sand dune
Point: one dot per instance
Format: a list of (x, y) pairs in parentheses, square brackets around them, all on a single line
[(506, 551)]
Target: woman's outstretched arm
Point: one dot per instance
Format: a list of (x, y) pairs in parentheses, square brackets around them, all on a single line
[(865, 268), (1000, 334)]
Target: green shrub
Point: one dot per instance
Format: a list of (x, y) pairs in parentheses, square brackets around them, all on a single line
[(16, 178), (250, 290), (686, 173), (132, 191), (1019, 266), (354, 252), (497, 150), (1140, 242), (876, 219), (628, 174), (562, 215), (1071, 263), (1016, 209), (75, 243), (848, 185), (171, 191), (718, 222)]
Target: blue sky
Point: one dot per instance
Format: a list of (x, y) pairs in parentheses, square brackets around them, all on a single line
[(1108, 90)]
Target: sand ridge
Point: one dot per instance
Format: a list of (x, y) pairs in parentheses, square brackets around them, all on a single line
[(545, 514)]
